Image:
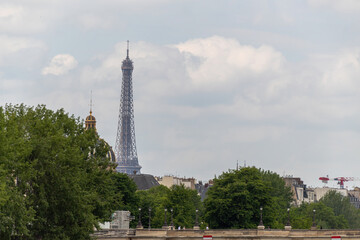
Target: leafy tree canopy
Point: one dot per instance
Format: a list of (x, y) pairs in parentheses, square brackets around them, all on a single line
[(342, 207), (333, 211), (235, 199), (302, 217), (183, 201), (56, 182)]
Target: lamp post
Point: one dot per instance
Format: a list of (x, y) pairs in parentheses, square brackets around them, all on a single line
[(172, 222), (288, 225), (261, 220), (149, 218), (196, 226), (288, 220), (196, 219), (139, 222), (314, 224), (165, 222)]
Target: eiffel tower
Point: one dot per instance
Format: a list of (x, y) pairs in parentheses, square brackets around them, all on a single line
[(125, 146)]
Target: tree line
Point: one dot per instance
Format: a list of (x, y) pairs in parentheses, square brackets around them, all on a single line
[(55, 179), (57, 183)]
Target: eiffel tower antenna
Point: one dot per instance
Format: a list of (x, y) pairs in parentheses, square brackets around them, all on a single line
[(127, 51), (91, 105)]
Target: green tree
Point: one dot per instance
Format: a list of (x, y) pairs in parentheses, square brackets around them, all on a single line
[(236, 197), (333, 211), (59, 179), (184, 203), (182, 200), (15, 213), (125, 188), (301, 217), (342, 207), (281, 197), (325, 218), (155, 198)]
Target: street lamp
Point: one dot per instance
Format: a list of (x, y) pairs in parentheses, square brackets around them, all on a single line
[(196, 220), (149, 218), (261, 220), (139, 223), (288, 220), (165, 223), (314, 224), (172, 222)]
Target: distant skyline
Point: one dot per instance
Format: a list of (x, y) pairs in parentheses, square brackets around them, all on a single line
[(272, 83)]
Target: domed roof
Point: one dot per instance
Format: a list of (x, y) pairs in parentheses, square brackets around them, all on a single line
[(111, 155), (90, 117), (90, 121)]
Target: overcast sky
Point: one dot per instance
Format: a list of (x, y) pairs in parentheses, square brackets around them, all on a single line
[(272, 83)]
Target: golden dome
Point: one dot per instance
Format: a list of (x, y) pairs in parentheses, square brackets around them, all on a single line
[(90, 117), (90, 122)]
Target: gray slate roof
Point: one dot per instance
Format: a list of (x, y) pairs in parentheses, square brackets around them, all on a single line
[(144, 181)]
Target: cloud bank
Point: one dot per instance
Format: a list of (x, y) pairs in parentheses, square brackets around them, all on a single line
[(60, 64), (274, 84)]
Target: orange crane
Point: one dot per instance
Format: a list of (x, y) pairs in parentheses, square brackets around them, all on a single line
[(340, 180)]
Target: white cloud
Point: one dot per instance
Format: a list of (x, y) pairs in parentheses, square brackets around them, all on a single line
[(60, 64), (216, 60), (165, 82)]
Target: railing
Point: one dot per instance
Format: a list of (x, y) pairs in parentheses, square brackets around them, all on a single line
[(222, 234)]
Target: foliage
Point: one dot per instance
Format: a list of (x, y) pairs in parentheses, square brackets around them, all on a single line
[(125, 188), (235, 199), (281, 197), (333, 211), (156, 199), (342, 207), (59, 184), (183, 201), (15, 214), (302, 217)]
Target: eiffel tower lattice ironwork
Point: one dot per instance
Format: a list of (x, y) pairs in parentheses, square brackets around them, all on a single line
[(125, 147)]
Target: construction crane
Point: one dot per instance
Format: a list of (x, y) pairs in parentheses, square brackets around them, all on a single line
[(340, 180)]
